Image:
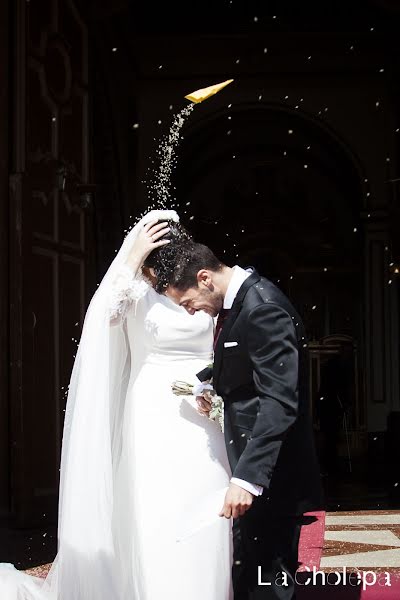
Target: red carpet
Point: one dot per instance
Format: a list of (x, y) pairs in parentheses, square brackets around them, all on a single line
[(311, 549), (348, 592), (312, 541)]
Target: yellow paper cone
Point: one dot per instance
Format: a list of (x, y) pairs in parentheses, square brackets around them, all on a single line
[(204, 93)]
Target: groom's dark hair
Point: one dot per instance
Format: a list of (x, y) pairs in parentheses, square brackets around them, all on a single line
[(181, 263)]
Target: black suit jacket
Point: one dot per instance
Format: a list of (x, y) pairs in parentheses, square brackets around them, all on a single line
[(264, 383)]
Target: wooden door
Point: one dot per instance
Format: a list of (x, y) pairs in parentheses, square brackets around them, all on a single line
[(51, 241), (354, 427)]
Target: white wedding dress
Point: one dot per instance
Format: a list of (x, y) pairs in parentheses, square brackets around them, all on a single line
[(173, 470), (167, 541)]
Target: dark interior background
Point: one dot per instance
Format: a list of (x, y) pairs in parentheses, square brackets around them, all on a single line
[(293, 168)]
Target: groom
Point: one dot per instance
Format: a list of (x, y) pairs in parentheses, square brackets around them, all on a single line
[(260, 370)]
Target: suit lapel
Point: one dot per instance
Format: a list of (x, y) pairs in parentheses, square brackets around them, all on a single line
[(231, 318)]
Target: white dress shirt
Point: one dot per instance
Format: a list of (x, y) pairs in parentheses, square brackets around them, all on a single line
[(238, 277)]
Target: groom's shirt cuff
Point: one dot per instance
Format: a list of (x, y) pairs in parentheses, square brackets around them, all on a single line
[(253, 488)]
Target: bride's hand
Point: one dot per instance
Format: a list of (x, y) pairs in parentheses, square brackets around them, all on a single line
[(147, 240), (204, 406)]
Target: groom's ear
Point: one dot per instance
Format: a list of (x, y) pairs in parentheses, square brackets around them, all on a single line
[(204, 278)]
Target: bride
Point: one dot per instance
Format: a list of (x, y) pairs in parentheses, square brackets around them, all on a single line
[(143, 474)]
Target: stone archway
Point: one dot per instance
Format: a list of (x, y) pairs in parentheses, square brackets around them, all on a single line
[(275, 189), (271, 188)]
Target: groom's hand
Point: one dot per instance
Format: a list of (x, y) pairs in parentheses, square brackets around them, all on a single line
[(237, 502)]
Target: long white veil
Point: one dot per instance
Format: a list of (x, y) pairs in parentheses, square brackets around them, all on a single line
[(86, 565)]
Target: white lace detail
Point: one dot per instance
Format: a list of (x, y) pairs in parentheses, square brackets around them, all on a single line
[(126, 288)]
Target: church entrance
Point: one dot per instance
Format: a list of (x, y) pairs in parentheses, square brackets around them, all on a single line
[(281, 193)]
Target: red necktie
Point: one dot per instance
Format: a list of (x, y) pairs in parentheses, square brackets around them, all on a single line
[(223, 313)]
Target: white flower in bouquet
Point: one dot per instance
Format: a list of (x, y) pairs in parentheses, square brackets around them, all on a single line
[(217, 407)]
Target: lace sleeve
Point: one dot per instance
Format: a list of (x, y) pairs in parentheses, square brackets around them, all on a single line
[(126, 288)]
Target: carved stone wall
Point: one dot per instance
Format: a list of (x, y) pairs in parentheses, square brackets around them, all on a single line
[(51, 249)]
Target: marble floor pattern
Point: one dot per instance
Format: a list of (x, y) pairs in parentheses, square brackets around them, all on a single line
[(363, 540)]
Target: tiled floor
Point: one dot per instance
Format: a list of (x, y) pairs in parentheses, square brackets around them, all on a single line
[(363, 539)]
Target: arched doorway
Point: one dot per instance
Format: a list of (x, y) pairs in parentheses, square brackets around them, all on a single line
[(273, 188)]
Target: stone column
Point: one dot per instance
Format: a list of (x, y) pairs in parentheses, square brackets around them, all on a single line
[(4, 243), (380, 325)]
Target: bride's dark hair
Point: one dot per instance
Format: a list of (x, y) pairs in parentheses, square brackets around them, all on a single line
[(162, 259)]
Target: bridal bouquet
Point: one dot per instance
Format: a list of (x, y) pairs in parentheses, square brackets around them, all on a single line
[(181, 388)]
